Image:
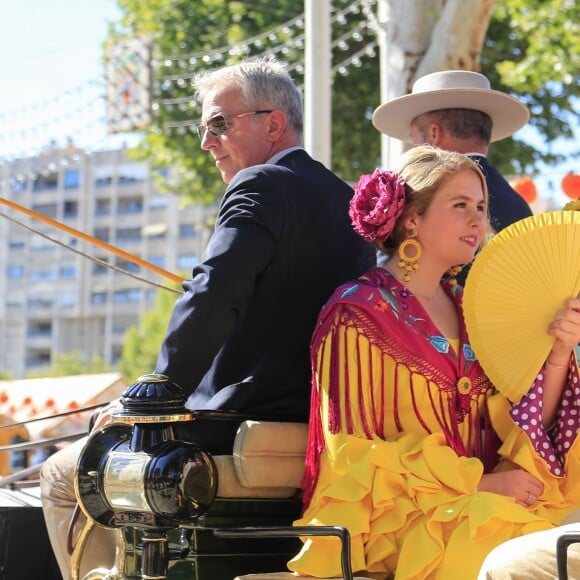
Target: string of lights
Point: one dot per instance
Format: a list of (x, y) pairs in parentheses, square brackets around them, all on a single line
[(80, 115)]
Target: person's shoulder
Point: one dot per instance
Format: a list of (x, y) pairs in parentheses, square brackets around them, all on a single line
[(263, 173), (359, 288)]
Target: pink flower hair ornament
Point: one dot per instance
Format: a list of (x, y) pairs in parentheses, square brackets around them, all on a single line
[(377, 203)]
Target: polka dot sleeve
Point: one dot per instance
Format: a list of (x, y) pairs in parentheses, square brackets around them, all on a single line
[(551, 445)]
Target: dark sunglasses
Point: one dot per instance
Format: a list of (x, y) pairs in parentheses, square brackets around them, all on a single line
[(218, 125)]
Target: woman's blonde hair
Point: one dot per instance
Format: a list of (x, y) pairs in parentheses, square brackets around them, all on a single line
[(424, 169)]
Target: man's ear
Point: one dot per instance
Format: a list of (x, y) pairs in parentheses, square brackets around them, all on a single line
[(436, 133), (278, 123)]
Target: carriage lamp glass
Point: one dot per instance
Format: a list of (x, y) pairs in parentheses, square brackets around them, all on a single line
[(123, 480)]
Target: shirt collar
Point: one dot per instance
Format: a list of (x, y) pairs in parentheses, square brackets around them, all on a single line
[(277, 156)]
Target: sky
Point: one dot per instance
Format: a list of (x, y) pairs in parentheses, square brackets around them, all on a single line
[(50, 59), (53, 81)]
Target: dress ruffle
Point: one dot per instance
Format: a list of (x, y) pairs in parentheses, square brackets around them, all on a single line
[(405, 503)]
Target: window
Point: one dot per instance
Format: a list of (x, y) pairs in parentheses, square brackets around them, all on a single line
[(100, 269), (132, 205), (37, 275), (47, 182), (72, 178), (41, 328), (186, 231), (37, 358), (128, 235), (99, 298), (128, 266), (102, 234), (103, 207), (71, 209), (16, 245), (126, 295), (18, 185), (40, 302), (67, 272), (15, 272), (132, 173), (103, 181), (46, 209)]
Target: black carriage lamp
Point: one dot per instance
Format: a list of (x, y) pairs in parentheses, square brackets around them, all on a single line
[(133, 472)]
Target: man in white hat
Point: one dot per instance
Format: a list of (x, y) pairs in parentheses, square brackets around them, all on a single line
[(457, 110)]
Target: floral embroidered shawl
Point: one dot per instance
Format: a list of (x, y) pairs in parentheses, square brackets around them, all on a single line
[(394, 320)]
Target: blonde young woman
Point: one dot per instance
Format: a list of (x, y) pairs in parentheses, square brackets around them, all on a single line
[(410, 446)]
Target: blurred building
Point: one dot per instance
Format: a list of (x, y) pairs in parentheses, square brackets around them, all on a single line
[(53, 298)]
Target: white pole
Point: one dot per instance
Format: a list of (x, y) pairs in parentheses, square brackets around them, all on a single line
[(382, 11), (391, 149), (317, 80)]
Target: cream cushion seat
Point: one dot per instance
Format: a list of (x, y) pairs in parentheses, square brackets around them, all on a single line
[(267, 461)]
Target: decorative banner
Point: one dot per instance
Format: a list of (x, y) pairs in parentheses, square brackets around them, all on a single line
[(128, 80)]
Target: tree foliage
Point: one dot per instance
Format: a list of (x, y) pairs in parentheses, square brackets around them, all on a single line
[(142, 343), (189, 36), (73, 363), (530, 51)]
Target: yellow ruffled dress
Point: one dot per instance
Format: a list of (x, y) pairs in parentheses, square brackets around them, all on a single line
[(409, 500)]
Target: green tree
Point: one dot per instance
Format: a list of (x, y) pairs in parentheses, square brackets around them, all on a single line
[(72, 363), (530, 51), (189, 36), (141, 343)]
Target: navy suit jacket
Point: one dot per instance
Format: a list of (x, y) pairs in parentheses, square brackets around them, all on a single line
[(506, 205), (238, 338)]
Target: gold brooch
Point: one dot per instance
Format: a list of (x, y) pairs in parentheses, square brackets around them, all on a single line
[(464, 385)]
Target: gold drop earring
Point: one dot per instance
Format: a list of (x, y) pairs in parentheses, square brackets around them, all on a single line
[(409, 262)]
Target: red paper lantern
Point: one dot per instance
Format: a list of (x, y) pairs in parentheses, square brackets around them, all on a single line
[(571, 185), (526, 188)]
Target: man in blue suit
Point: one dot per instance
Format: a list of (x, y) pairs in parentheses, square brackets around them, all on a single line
[(238, 338), (458, 111)]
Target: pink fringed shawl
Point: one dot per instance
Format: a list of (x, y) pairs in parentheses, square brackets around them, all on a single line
[(394, 321)]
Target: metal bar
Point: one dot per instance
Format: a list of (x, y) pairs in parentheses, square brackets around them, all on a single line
[(42, 442), (92, 240), (22, 474), (293, 532), (562, 553), (55, 416)]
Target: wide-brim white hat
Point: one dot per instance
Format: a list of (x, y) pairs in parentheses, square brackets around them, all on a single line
[(452, 89)]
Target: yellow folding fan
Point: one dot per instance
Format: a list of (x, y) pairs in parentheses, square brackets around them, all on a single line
[(516, 285)]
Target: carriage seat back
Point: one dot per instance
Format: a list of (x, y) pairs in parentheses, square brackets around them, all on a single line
[(267, 461)]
